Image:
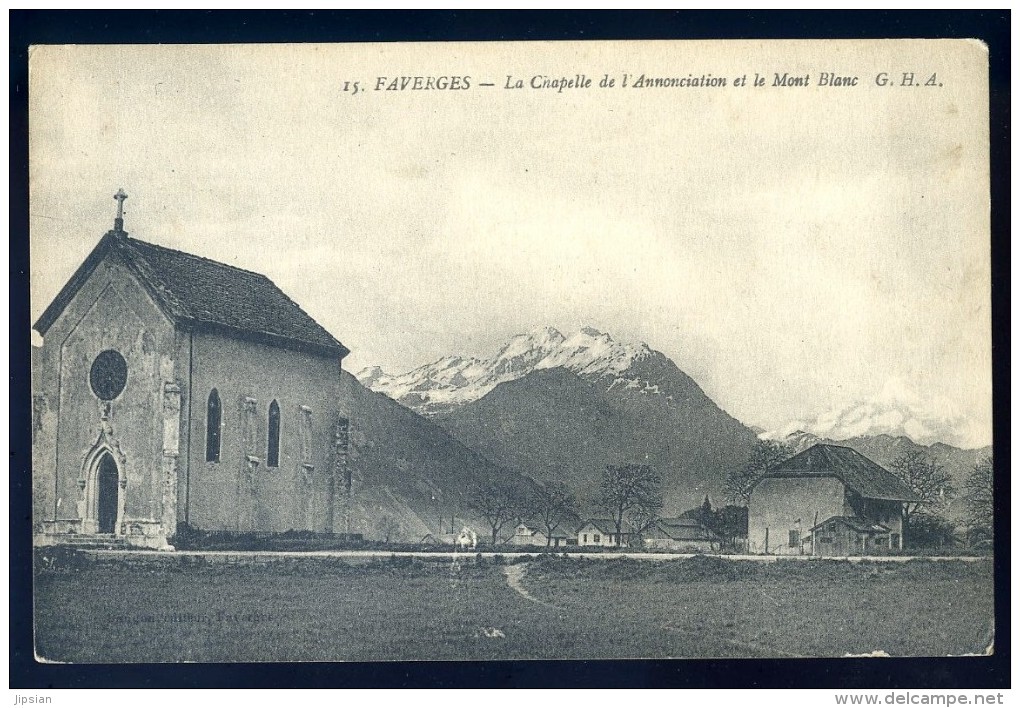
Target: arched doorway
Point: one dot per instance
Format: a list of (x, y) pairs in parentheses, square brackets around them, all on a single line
[(107, 494)]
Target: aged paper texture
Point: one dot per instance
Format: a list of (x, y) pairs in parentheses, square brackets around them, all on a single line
[(467, 351)]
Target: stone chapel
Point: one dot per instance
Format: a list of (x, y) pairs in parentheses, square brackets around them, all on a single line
[(174, 390)]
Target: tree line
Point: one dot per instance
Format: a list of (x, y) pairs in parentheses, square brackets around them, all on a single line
[(631, 497)]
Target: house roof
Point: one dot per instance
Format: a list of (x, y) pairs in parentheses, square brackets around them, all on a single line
[(557, 532), (202, 294), (608, 526), (681, 529), (856, 523), (857, 472)]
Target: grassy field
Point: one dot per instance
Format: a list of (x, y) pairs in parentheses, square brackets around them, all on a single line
[(162, 610)]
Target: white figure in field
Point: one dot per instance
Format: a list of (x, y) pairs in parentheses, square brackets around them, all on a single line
[(467, 539)]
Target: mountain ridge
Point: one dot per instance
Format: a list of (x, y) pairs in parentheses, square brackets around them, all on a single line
[(562, 407), (896, 409), (455, 380), (407, 469)]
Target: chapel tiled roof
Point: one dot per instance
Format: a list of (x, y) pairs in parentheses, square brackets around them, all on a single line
[(202, 294)]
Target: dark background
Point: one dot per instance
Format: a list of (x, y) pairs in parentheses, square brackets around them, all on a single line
[(145, 27)]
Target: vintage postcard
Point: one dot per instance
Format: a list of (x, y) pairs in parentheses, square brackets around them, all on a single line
[(544, 350)]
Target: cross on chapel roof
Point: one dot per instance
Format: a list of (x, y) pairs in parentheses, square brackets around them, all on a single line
[(118, 223)]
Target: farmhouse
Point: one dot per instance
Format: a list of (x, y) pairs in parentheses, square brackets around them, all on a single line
[(681, 534), (171, 389), (602, 532), (828, 500)]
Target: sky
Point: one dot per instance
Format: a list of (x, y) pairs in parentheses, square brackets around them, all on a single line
[(804, 253)]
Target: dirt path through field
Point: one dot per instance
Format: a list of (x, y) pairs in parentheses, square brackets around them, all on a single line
[(514, 577)]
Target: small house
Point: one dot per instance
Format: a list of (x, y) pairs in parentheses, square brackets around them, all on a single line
[(849, 536), (681, 534), (602, 532), (534, 535)]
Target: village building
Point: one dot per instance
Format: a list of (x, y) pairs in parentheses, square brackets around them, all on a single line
[(828, 500), (850, 536), (534, 535), (172, 392), (602, 532), (681, 534)]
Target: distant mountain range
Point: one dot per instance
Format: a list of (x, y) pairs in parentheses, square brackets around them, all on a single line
[(550, 406), (455, 380), (558, 407), (896, 410)]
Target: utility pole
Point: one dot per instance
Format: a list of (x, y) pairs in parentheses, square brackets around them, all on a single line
[(814, 534)]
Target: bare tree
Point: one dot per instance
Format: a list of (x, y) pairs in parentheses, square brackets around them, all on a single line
[(644, 516), (977, 494), (928, 479), (629, 493), (388, 527), (553, 504), (765, 455), (731, 523), (499, 504)]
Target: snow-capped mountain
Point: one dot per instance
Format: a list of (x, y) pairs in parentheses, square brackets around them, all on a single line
[(456, 380), (561, 408), (897, 410)]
